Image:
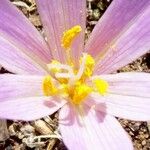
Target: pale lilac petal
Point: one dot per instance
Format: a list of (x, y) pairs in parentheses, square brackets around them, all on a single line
[(58, 16), (30, 108), (132, 43), (96, 131), (129, 83), (14, 60), (20, 86), (123, 106), (119, 16), (128, 96), (17, 30)]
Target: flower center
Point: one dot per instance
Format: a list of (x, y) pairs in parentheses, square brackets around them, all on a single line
[(64, 80)]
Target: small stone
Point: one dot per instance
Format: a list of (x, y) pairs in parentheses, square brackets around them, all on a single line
[(143, 142)]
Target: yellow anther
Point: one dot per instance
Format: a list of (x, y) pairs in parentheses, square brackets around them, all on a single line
[(90, 62), (69, 36), (89, 67), (79, 92), (48, 86), (101, 86)]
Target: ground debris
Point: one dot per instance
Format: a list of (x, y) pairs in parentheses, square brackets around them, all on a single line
[(41, 127)]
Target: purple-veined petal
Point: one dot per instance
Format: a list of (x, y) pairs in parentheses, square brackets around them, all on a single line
[(117, 19), (132, 43), (16, 61), (128, 96), (20, 86), (17, 30), (30, 108), (58, 16), (96, 131)]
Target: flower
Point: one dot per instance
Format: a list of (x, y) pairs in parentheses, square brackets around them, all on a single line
[(60, 72)]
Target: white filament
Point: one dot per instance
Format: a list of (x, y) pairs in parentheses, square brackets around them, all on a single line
[(82, 67), (63, 75), (59, 66), (80, 72)]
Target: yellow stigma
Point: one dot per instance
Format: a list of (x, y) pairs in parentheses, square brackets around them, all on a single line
[(48, 86), (69, 36), (101, 86), (79, 92)]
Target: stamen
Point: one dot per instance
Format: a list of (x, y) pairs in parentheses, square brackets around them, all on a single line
[(89, 66), (69, 36), (82, 67), (101, 86), (86, 69), (48, 86)]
